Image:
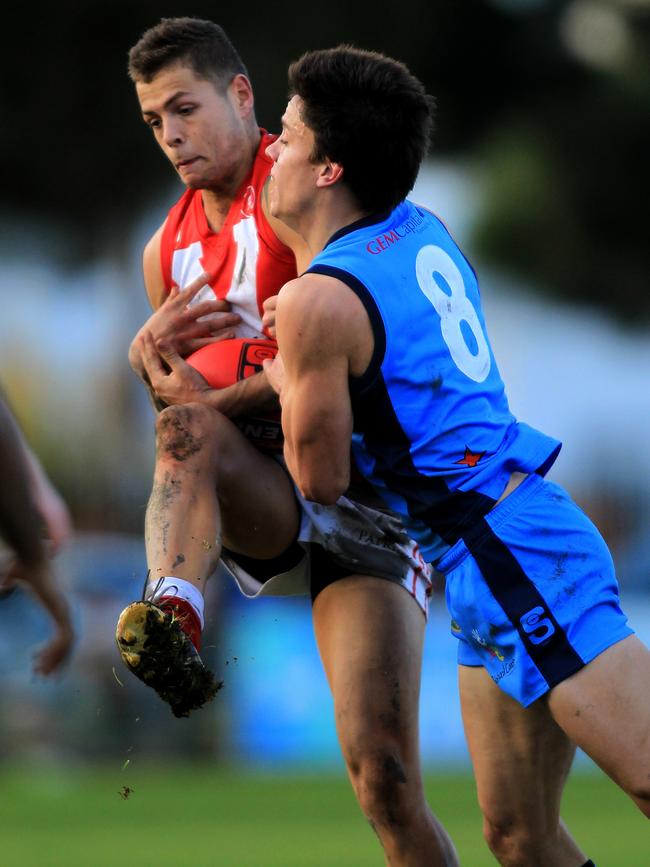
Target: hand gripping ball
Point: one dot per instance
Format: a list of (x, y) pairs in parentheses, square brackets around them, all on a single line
[(227, 361)]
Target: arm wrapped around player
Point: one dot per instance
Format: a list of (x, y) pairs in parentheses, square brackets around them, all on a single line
[(316, 409)]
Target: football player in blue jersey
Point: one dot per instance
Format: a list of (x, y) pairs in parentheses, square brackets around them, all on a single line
[(383, 342)]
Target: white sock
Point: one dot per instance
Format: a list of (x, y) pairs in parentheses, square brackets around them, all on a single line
[(171, 586)]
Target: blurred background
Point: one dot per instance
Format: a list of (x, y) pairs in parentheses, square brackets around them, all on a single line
[(540, 170)]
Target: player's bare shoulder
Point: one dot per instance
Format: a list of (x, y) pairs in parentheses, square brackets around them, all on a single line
[(325, 314), (152, 269)]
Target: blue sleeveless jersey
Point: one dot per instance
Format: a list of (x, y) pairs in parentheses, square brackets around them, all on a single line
[(433, 432)]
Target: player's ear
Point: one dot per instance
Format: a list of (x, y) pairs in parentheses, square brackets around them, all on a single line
[(330, 173), (241, 91)]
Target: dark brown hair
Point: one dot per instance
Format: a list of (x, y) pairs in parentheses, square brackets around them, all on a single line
[(368, 113), (201, 45)]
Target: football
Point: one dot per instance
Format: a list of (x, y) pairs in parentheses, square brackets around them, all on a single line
[(228, 361), (223, 363)]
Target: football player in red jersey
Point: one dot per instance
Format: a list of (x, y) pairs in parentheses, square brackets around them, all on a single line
[(216, 494), (195, 96), (30, 506)]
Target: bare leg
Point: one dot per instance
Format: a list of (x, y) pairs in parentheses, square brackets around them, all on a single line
[(370, 635), (605, 708), (210, 480), (521, 761)]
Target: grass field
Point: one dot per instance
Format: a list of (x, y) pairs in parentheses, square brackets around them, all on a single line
[(201, 817)]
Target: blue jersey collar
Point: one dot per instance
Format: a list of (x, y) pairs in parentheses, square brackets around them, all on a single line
[(368, 220)]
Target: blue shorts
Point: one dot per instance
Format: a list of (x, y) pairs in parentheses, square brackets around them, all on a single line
[(532, 591)]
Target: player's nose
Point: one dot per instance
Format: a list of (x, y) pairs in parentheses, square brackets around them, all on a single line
[(272, 150), (172, 134)]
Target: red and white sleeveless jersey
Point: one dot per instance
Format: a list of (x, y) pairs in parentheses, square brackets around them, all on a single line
[(247, 262)]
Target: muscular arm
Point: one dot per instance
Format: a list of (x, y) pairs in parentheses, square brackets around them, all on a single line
[(324, 336), (152, 270)]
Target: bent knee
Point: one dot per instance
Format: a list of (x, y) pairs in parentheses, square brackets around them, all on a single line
[(386, 788), (182, 431), (514, 840), (499, 834)]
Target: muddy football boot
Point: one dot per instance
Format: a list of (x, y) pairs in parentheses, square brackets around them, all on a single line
[(157, 643)]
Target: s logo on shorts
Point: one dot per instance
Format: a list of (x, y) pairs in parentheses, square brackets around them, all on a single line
[(537, 627)]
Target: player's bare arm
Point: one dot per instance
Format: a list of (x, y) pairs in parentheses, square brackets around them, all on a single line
[(154, 283), (22, 524), (50, 504), (324, 336), (268, 316)]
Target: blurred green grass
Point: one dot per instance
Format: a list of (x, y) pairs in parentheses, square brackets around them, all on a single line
[(204, 817)]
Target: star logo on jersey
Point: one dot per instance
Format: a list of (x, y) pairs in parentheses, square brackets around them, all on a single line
[(470, 458)]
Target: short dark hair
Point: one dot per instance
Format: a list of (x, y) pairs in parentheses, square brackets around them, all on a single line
[(201, 45), (369, 113)]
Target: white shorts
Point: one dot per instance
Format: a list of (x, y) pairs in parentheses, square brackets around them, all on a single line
[(356, 539)]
